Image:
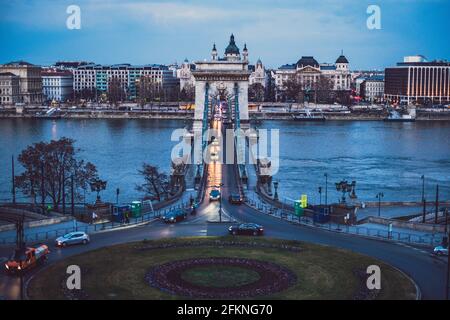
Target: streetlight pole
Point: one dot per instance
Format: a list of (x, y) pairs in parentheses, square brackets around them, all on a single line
[(326, 191), (379, 196), (13, 190), (437, 205), (424, 203)]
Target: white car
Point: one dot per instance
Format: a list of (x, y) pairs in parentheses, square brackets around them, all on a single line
[(440, 251), (77, 237)]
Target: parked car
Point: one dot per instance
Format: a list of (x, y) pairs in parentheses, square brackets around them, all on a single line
[(441, 251), (174, 216), (235, 199), (72, 238), (214, 195), (252, 229)]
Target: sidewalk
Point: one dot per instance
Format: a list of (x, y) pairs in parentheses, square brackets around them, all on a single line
[(367, 230)]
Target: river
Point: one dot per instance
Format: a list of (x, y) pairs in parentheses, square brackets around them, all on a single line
[(379, 156)]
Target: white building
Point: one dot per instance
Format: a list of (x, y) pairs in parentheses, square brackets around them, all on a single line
[(185, 74), (57, 85), (372, 89), (308, 72), (258, 74), (9, 88), (97, 77)]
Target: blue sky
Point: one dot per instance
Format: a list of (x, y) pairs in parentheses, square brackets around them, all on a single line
[(277, 31)]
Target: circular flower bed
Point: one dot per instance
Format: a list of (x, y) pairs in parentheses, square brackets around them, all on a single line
[(271, 278)]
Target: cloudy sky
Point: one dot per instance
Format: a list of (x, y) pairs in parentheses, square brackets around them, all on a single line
[(277, 31)]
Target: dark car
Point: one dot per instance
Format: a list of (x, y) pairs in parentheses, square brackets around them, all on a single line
[(174, 216), (235, 198), (251, 229)]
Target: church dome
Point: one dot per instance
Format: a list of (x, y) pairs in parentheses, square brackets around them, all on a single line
[(342, 59), (307, 61), (232, 48)]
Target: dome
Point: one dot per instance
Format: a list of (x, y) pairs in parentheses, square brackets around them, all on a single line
[(232, 48), (307, 61), (342, 59)]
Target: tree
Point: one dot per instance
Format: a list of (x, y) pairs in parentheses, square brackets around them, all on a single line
[(188, 92), (156, 184), (293, 89), (323, 88), (256, 92), (116, 92), (49, 169)]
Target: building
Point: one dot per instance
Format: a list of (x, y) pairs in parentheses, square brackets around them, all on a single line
[(96, 78), (185, 74), (258, 75), (30, 80), (307, 71), (372, 89), (223, 79), (416, 58), (9, 88), (57, 85), (418, 82)]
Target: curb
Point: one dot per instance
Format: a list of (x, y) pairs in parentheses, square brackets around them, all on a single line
[(418, 291)]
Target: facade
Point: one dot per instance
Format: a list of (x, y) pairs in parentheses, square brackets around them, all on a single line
[(308, 72), (57, 85), (185, 74), (223, 78), (372, 89), (30, 80), (258, 75), (418, 82), (9, 88), (97, 77)]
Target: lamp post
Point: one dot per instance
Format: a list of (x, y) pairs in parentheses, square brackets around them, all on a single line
[(424, 203), (320, 196), (13, 189), (275, 185), (379, 196), (326, 189)]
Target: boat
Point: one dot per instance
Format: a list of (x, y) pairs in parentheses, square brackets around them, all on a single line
[(307, 115), (395, 116)]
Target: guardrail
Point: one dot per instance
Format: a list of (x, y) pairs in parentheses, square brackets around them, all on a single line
[(91, 228), (430, 240)]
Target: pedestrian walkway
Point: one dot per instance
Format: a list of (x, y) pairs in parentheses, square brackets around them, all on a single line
[(367, 230)]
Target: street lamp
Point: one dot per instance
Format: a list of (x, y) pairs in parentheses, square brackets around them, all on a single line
[(326, 190), (320, 196), (424, 203), (379, 196), (275, 185)]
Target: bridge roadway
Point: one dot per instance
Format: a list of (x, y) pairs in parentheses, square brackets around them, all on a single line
[(426, 270)]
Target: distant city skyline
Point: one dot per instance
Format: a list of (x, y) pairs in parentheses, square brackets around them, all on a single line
[(277, 32)]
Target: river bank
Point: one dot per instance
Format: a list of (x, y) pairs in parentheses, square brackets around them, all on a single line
[(174, 113)]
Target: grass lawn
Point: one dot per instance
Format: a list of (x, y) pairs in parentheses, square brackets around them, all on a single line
[(118, 272)]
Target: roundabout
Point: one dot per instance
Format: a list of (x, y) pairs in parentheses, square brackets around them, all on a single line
[(220, 268), (221, 278)]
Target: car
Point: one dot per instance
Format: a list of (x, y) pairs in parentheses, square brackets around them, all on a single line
[(174, 216), (252, 229), (214, 195), (441, 251), (76, 237), (235, 198)]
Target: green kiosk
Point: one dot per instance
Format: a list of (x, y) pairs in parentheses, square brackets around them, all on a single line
[(136, 208)]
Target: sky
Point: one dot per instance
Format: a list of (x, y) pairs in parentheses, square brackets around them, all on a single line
[(276, 31)]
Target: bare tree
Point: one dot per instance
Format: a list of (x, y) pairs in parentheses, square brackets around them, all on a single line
[(256, 92), (188, 93), (49, 169), (156, 184), (116, 91)]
